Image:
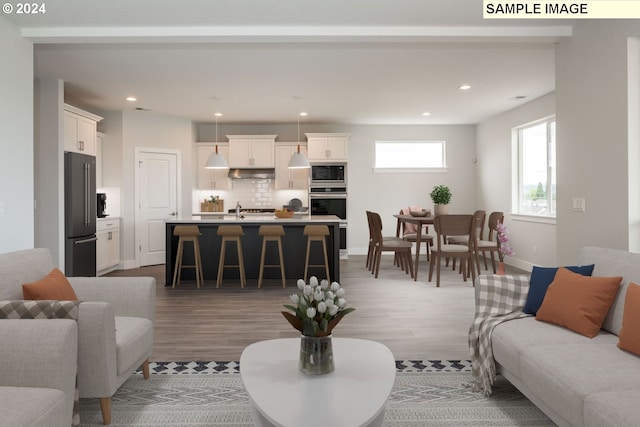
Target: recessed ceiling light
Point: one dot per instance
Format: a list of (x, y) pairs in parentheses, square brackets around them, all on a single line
[(465, 87), (303, 114), (218, 114), (131, 98), (426, 114)]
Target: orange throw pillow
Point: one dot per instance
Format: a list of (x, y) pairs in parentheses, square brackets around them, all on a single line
[(630, 332), (53, 286), (578, 302)]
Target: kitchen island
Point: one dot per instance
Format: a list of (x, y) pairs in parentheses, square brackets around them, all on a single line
[(294, 247)]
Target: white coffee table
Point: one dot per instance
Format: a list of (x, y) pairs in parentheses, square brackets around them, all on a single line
[(355, 394)]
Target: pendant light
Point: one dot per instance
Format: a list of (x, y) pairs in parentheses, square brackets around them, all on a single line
[(299, 160), (216, 160)]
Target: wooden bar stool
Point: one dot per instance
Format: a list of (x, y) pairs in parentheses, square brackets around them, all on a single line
[(271, 233), (187, 233), (316, 233), (231, 233)]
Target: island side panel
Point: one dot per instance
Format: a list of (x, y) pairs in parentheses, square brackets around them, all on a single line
[(294, 246)]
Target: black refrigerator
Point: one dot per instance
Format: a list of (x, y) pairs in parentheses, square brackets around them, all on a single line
[(80, 214)]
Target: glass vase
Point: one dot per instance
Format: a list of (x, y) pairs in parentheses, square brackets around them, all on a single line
[(316, 355)]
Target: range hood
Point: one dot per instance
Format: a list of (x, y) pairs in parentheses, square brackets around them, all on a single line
[(252, 173)]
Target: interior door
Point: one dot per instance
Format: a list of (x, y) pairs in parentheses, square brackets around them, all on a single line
[(157, 194)]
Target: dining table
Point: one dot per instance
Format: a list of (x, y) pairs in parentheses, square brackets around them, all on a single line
[(419, 222)]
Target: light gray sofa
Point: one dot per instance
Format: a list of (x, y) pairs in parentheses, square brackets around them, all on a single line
[(38, 362), (575, 380), (115, 321)]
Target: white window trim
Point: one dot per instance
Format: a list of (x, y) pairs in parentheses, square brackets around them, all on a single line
[(515, 178), (540, 219), (442, 169), (410, 170)]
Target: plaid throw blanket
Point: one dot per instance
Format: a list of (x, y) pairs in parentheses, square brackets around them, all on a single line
[(498, 299), (45, 309)]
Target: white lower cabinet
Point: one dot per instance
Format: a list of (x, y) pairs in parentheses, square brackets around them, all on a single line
[(108, 245)]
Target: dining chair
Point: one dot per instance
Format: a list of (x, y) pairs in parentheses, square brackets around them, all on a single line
[(480, 217), (450, 226), (490, 245), (400, 247), (371, 250), (408, 231)]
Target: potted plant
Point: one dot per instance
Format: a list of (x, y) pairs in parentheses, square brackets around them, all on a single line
[(441, 196)]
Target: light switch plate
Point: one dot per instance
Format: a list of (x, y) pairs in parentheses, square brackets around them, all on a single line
[(579, 204)]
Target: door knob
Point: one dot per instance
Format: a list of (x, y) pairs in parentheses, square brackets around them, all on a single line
[(173, 213)]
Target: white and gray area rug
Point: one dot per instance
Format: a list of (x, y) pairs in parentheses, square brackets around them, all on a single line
[(426, 393)]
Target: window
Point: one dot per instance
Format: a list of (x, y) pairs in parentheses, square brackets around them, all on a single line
[(536, 177), (410, 156)]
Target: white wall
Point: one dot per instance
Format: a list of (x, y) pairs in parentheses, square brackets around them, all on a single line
[(16, 141), (150, 130), (494, 147), (387, 193), (593, 137), (49, 168)]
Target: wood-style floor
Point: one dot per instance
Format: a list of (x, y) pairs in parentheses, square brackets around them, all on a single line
[(416, 320)]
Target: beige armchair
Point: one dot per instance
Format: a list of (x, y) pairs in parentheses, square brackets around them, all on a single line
[(115, 322), (37, 372)]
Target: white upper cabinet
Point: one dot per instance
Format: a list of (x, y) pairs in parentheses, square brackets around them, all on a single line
[(327, 146), (212, 179), (251, 151), (290, 178), (80, 129)]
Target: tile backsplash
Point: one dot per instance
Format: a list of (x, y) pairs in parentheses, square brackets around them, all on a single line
[(254, 193), (251, 193)]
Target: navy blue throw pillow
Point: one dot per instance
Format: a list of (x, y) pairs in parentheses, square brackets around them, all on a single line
[(541, 278)]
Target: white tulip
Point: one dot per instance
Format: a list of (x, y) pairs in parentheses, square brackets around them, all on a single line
[(324, 284), (311, 312), (333, 310), (294, 299), (340, 292), (300, 284), (335, 286), (318, 295), (329, 302), (313, 281), (308, 290), (322, 307), (329, 295), (342, 302)]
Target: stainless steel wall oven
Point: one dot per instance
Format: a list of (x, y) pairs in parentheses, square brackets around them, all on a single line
[(331, 201)]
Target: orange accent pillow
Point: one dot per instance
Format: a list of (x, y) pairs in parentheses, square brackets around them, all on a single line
[(53, 286), (630, 332), (578, 302)]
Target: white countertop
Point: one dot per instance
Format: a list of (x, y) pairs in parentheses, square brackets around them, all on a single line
[(108, 218), (296, 214), (248, 219)]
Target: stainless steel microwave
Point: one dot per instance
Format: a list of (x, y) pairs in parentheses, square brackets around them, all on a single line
[(329, 174)]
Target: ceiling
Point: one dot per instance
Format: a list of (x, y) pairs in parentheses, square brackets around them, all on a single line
[(264, 61)]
